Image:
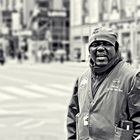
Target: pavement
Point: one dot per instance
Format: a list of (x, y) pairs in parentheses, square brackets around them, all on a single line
[(66, 63), (34, 98), (73, 64)]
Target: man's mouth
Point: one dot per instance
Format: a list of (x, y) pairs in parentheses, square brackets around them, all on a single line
[(101, 58)]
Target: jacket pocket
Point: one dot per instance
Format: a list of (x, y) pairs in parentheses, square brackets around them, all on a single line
[(123, 134)]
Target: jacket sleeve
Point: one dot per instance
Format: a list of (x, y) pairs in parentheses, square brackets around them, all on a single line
[(134, 104), (73, 109)]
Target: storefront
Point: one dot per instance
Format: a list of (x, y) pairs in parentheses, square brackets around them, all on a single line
[(122, 15)]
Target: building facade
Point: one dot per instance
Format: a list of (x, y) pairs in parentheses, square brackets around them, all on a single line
[(14, 18), (51, 23), (122, 15), (15, 14)]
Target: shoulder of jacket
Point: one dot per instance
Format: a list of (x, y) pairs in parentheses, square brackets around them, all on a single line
[(85, 73), (129, 70)]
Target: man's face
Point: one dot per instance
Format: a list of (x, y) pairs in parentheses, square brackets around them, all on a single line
[(102, 52)]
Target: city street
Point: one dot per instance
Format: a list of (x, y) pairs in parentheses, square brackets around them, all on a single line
[(34, 100)]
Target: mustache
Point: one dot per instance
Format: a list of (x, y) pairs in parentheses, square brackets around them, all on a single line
[(101, 54)]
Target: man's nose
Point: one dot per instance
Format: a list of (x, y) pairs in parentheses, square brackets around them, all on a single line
[(100, 48)]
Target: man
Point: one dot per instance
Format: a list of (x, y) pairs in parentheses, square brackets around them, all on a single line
[(106, 100)]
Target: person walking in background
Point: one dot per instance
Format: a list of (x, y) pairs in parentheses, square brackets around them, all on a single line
[(19, 55), (62, 58), (105, 104), (128, 56)]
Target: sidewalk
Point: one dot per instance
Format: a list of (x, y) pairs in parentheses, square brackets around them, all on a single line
[(77, 64), (66, 63)]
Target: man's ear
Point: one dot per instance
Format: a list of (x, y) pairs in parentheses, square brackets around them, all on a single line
[(91, 61)]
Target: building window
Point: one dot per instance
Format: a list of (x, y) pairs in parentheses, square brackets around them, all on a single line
[(55, 37), (54, 46), (67, 23), (62, 23), (66, 4), (77, 38), (44, 4), (67, 37), (53, 23), (42, 22), (85, 39)]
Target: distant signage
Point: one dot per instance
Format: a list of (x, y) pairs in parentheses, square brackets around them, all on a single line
[(109, 10), (23, 33), (85, 9), (57, 14), (114, 10), (117, 9), (114, 5), (104, 10), (90, 11), (128, 8)]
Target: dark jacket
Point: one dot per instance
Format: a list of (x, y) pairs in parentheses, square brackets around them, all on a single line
[(99, 116)]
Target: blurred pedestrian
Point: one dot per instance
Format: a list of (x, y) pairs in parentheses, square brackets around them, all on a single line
[(19, 55), (105, 104), (62, 58), (79, 56), (129, 56), (2, 55)]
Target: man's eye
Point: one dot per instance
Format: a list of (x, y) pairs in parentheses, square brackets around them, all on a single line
[(94, 44), (107, 44)]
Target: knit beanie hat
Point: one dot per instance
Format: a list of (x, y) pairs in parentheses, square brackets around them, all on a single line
[(103, 34)]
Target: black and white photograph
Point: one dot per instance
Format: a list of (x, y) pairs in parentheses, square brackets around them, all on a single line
[(70, 69)]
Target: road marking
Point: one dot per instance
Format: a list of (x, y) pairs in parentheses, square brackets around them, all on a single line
[(4, 96), (37, 124), (24, 122), (31, 108), (22, 92), (62, 87), (47, 90), (31, 121), (15, 79), (3, 125)]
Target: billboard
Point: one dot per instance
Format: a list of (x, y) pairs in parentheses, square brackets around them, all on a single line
[(117, 9), (128, 9), (90, 11), (110, 12), (103, 10), (114, 9), (84, 12)]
